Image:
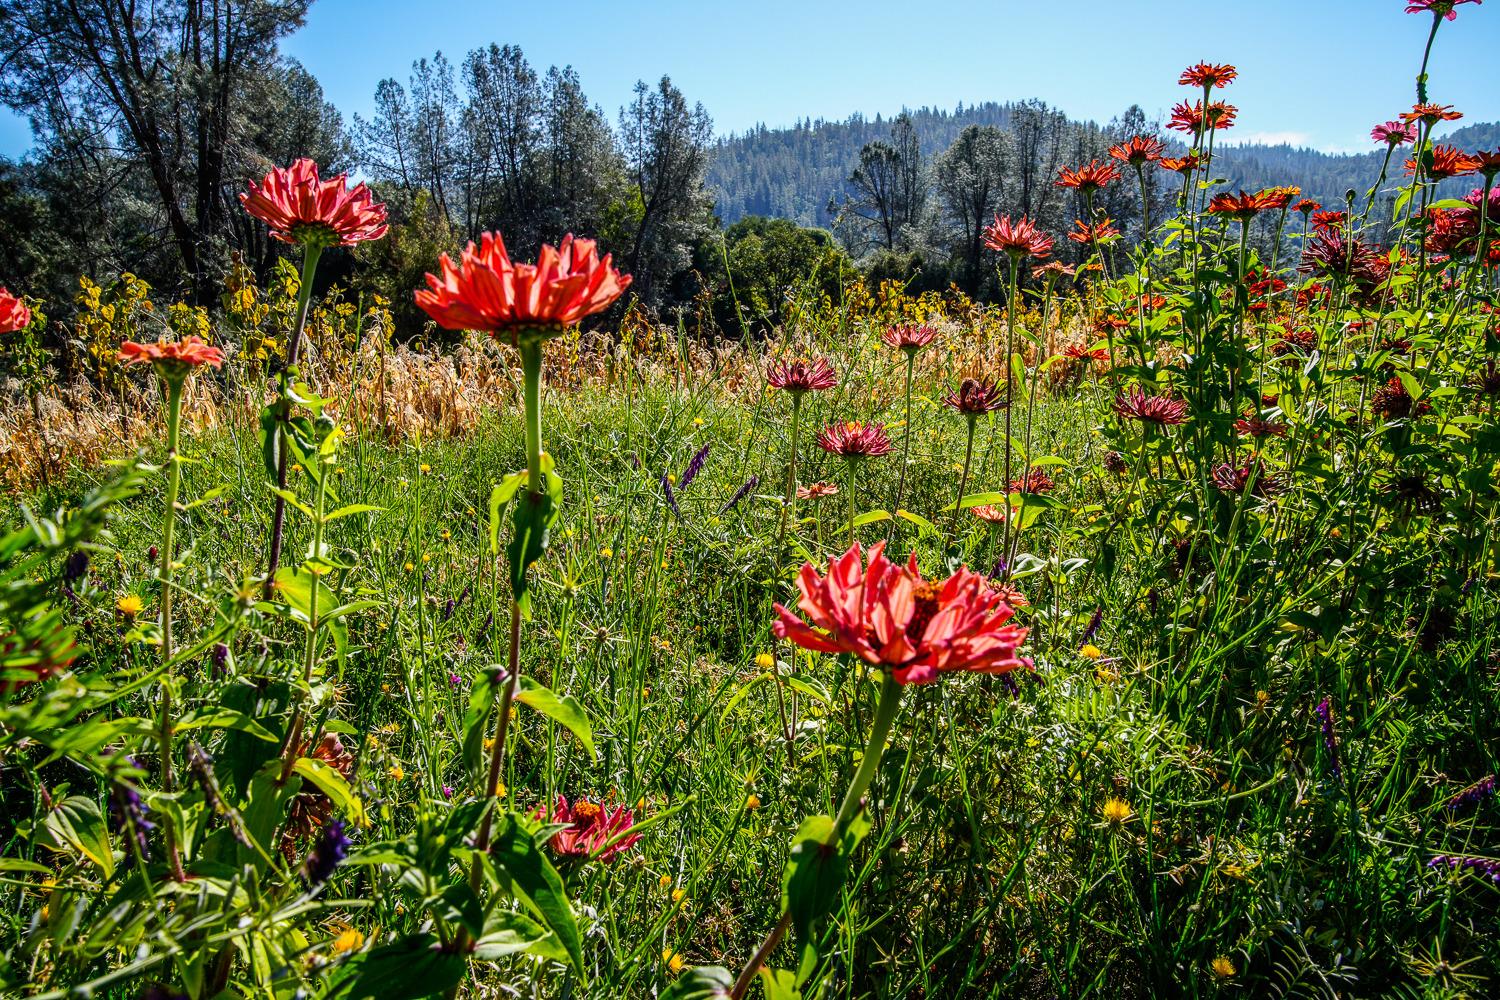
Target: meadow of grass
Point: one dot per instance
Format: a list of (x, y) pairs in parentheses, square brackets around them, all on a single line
[(497, 733)]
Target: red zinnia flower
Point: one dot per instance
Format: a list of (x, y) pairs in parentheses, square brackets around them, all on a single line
[(1090, 178), (1439, 8), (1256, 426), (889, 616), (1019, 239), (300, 208), (13, 313), (909, 336), (1242, 206), (486, 291), (1330, 219), (1394, 133), (1208, 75), (1078, 352), (1447, 161), (801, 375), (1280, 197), (974, 397), (1160, 410), (1306, 206), (1138, 151), (1101, 232), (1032, 481), (1431, 114), (852, 439), (1052, 269), (172, 359), (1191, 117), (590, 826), (1182, 164), (1487, 162)]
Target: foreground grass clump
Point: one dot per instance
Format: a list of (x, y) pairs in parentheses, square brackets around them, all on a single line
[(1135, 639)]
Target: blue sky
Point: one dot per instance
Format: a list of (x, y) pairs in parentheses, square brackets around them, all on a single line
[(1305, 66)]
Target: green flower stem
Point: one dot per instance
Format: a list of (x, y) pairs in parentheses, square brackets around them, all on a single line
[(852, 463), (174, 387), (790, 503), (880, 730), (293, 747), (310, 254), (911, 361), (1010, 385), (963, 480)]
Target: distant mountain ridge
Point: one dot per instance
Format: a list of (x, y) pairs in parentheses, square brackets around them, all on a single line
[(791, 173)]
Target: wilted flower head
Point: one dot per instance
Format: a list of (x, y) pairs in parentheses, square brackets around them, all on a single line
[(590, 827), (974, 397), (1394, 133), (1206, 75), (1018, 239), (909, 337), (486, 291), (301, 208), (1089, 178), (13, 313), (852, 439), (889, 616), (1328, 253), (801, 375), (173, 360), (1159, 410), (1138, 151)]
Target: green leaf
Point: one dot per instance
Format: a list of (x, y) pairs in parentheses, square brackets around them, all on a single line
[(533, 516), (567, 710), (739, 695), (705, 982), (21, 865), (501, 495), (506, 933), (332, 784), (780, 984), (223, 718), (353, 508), (476, 721), (410, 968), (871, 517), (980, 499), (76, 824), (917, 519), (532, 876), (816, 868)]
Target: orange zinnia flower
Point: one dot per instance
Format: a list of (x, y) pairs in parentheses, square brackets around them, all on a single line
[(173, 360), (1090, 178), (13, 313), (1431, 114), (1280, 197), (1020, 238), (1242, 206), (1447, 161), (1191, 117), (1208, 75), (1100, 232), (1182, 164), (486, 291), (1138, 151), (889, 616), (300, 208)]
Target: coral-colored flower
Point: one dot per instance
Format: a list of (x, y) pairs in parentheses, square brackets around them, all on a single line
[(1032, 481), (1447, 161), (1439, 8), (1019, 239), (910, 337), (801, 375), (974, 397), (1280, 197), (889, 616), (1159, 410), (817, 491), (1138, 151), (1256, 426), (1208, 75), (487, 291), (590, 826), (13, 313), (852, 439), (1394, 133), (1242, 206), (1306, 206), (989, 513), (300, 208), (1089, 178), (173, 360), (1100, 232), (1431, 114), (1192, 118), (1053, 269), (1182, 164)]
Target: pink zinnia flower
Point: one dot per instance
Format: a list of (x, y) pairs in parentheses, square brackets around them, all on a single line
[(801, 375), (909, 337), (1019, 239), (889, 616), (590, 826), (852, 439), (1439, 8), (301, 208), (1394, 133), (1160, 410)]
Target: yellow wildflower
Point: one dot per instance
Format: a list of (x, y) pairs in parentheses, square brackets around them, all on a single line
[(765, 661), (130, 605), (1222, 968), (674, 961), (348, 940), (752, 802), (1116, 811), (1090, 652)]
